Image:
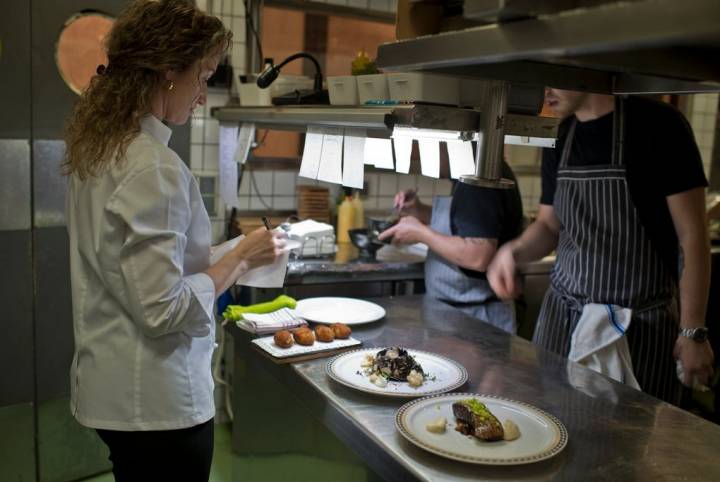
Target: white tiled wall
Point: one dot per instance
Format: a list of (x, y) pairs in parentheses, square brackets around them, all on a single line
[(277, 189), (525, 161), (204, 129), (702, 114)]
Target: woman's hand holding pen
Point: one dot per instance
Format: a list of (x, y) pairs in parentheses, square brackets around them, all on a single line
[(260, 247)]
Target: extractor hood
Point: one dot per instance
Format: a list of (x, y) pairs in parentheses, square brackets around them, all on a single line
[(642, 46)]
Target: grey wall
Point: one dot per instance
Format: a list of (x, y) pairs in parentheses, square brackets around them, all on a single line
[(39, 439), (17, 408)]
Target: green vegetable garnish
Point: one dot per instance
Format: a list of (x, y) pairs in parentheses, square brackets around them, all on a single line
[(478, 408), (235, 312)]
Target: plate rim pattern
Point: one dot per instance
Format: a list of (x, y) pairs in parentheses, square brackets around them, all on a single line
[(558, 447), (463, 378)]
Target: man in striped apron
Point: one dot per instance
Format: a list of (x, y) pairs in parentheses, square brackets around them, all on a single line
[(462, 233), (609, 251)]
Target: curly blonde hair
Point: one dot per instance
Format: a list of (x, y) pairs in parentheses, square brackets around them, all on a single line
[(149, 39)]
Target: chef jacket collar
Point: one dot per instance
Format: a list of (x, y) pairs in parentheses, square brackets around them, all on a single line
[(152, 126)]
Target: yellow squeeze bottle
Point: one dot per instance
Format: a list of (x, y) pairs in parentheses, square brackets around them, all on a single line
[(357, 205), (345, 220)]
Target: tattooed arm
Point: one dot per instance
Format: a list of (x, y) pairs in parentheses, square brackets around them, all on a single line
[(688, 214)]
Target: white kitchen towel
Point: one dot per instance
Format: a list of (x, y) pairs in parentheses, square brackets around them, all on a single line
[(265, 323), (599, 342)]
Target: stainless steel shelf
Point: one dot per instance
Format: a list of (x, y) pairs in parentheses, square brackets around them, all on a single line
[(380, 120), (647, 46)]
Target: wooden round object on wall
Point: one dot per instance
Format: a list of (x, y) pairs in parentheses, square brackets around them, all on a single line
[(81, 48)]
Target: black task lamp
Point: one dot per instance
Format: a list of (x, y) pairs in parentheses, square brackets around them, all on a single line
[(314, 96)]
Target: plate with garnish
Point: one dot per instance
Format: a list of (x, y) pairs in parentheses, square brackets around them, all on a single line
[(396, 372), (481, 429)]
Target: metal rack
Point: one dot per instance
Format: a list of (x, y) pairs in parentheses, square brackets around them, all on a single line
[(642, 46), (380, 120)]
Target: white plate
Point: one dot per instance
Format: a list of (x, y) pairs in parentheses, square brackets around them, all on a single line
[(350, 311), (268, 344), (442, 374), (541, 435)]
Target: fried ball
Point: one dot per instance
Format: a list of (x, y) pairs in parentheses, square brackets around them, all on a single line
[(283, 339), (303, 336), (341, 330), (324, 333)]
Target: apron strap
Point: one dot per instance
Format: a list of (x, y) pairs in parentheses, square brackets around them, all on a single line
[(618, 132), (568, 144)]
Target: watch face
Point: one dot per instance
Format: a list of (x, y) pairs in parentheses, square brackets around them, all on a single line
[(700, 335)]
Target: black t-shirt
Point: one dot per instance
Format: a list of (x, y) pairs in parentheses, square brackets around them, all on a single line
[(660, 155), (481, 212)]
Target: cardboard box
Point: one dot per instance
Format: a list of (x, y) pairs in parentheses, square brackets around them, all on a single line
[(415, 19)]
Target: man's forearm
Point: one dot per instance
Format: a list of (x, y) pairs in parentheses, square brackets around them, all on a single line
[(536, 242), (469, 253), (694, 275)]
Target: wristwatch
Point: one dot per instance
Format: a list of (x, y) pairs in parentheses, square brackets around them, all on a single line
[(699, 334)]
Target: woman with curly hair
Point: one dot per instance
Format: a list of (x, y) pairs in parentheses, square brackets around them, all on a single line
[(142, 286)]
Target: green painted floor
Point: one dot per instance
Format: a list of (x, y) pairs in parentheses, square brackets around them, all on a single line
[(222, 458)]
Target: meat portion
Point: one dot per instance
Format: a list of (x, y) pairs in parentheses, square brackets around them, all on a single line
[(395, 363), (473, 418)]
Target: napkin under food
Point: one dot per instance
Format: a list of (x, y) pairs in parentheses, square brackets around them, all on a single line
[(265, 323)]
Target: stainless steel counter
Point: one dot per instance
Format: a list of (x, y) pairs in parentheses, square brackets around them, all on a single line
[(346, 266), (615, 433)]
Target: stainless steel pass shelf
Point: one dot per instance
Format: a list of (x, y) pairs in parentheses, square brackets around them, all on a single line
[(642, 46), (380, 120)]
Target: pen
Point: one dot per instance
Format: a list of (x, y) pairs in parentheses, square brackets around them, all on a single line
[(266, 223)]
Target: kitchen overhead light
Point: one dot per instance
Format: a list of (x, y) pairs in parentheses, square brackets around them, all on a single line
[(437, 134)]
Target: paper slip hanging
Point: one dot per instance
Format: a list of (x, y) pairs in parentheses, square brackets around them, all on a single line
[(461, 158), (429, 157), (353, 162), (227, 167), (403, 149), (311, 153), (245, 138), (330, 169), (378, 152)]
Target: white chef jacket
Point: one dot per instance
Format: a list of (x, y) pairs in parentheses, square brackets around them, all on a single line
[(143, 308)]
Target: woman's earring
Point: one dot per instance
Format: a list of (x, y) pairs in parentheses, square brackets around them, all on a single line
[(170, 87)]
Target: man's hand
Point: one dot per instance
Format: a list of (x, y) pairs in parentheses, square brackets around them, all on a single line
[(697, 360), (409, 230), (502, 273)]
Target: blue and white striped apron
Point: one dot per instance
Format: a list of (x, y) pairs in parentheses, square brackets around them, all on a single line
[(444, 280), (605, 256)]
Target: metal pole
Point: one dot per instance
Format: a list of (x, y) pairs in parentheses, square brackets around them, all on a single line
[(255, 63), (491, 141)]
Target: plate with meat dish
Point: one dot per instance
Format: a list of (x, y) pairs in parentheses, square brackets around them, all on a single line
[(481, 429), (396, 372)]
